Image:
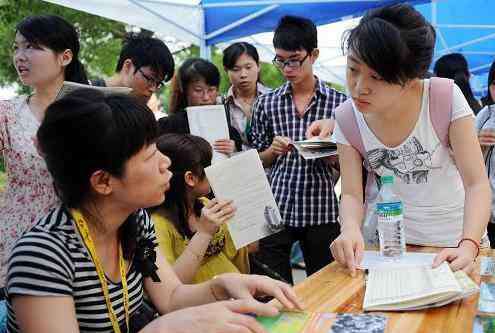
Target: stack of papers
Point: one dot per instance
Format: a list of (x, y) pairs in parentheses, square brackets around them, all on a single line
[(316, 148)]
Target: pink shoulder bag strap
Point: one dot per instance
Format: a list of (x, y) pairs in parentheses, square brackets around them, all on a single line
[(441, 107)]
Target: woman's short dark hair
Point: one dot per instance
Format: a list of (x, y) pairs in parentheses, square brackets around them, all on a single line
[(455, 66), (192, 70), (295, 33), (232, 53), (147, 51), (187, 153), (395, 41), (58, 35), (85, 132), (488, 100)]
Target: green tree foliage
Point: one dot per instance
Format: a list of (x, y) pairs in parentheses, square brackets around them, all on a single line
[(100, 38)]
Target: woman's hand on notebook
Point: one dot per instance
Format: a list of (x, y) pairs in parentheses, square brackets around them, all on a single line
[(348, 248), (462, 257)]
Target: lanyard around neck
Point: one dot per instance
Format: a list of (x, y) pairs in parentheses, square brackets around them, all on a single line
[(82, 226)]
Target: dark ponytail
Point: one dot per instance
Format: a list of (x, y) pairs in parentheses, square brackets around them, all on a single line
[(454, 66), (58, 35)]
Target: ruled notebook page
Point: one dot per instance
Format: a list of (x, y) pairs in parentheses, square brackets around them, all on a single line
[(409, 286)]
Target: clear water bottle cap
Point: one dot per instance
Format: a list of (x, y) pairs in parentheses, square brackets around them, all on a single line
[(387, 179)]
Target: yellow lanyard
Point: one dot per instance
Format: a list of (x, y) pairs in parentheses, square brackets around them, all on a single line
[(82, 226)]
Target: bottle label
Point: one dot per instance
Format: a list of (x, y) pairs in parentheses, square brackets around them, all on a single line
[(389, 211)]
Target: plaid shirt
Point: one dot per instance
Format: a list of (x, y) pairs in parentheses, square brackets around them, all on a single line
[(303, 189)]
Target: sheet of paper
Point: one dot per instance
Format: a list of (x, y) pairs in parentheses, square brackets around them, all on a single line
[(391, 285), (210, 123), (242, 179), (487, 266), (69, 87), (486, 303), (359, 323), (286, 322), (484, 325), (373, 259)]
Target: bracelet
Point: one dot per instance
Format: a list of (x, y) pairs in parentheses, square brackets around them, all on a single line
[(472, 241)]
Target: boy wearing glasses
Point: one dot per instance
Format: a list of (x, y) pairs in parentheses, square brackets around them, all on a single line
[(144, 64), (302, 188)]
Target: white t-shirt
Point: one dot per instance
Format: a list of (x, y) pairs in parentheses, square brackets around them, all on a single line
[(486, 119), (426, 177)]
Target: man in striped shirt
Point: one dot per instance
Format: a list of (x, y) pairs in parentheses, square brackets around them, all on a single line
[(302, 188)]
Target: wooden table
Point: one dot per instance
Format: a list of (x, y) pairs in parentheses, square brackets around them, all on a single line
[(332, 289)]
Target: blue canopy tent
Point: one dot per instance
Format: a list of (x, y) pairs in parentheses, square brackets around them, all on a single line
[(467, 27), (208, 22), (462, 25)]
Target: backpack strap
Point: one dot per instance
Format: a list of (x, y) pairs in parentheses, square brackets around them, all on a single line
[(440, 105), (348, 124), (347, 121)]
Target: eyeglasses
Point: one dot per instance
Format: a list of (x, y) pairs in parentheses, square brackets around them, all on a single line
[(151, 80), (202, 91), (292, 63)]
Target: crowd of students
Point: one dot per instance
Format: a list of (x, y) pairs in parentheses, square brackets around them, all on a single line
[(86, 172)]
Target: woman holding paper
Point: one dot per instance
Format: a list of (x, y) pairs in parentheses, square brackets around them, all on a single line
[(196, 83), (91, 259), (45, 53), (191, 230)]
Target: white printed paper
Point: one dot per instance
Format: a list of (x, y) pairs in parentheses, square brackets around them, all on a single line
[(210, 123), (242, 179), (373, 259)]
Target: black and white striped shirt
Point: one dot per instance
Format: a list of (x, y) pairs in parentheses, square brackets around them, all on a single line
[(303, 189), (51, 260)]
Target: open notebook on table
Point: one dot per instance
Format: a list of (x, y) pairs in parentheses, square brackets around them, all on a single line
[(414, 288)]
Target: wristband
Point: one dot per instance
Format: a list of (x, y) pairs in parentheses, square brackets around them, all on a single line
[(472, 241)]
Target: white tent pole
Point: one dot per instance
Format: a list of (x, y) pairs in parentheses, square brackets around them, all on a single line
[(467, 26), (241, 21), (139, 4), (204, 50), (169, 3), (477, 68), (434, 22), (276, 2), (488, 53), (471, 42)]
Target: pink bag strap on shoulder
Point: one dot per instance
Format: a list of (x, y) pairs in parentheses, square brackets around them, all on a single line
[(348, 124), (440, 105)]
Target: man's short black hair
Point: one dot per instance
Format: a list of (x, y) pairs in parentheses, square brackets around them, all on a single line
[(295, 33), (147, 51)]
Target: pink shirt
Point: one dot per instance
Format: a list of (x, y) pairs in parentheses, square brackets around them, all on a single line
[(29, 193)]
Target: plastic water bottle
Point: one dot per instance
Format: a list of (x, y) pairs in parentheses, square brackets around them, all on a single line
[(389, 212)]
